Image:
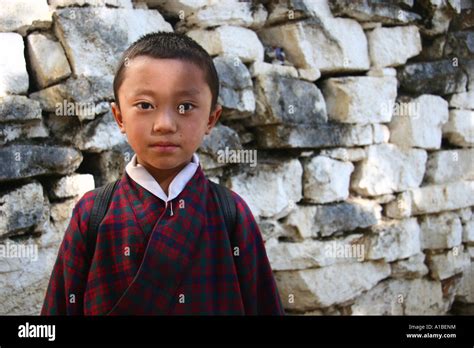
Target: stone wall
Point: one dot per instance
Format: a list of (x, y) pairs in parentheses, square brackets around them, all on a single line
[(360, 115)]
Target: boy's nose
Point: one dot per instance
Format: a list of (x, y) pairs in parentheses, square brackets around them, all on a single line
[(164, 122)]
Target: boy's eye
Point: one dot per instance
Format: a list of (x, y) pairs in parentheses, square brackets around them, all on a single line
[(144, 106), (183, 107)]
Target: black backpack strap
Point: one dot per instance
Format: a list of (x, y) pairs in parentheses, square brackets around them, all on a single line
[(227, 205), (99, 209)]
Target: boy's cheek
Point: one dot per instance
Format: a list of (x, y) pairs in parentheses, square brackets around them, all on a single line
[(194, 137), (138, 126)]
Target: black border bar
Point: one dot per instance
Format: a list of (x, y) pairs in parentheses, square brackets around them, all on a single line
[(292, 330)]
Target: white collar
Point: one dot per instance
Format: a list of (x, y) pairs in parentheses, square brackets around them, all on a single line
[(141, 176)]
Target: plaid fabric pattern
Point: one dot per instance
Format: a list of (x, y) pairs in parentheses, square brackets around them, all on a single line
[(149, 262)]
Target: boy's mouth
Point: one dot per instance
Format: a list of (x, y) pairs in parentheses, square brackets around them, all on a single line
[(165, 146)]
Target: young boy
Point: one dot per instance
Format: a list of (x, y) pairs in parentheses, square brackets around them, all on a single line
[(162, 247)]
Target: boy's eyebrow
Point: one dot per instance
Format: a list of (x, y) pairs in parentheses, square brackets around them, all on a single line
[(143, 91), (191, 91), (184, 92)]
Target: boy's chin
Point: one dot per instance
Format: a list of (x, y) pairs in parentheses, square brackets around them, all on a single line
[(165, 164)]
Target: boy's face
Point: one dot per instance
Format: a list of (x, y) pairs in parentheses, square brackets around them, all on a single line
[(165, 110)]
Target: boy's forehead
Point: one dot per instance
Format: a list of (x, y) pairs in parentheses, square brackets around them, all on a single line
[(164, 65), (182, 74)]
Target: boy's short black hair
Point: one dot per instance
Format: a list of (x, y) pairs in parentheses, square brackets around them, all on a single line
[(168, 45)]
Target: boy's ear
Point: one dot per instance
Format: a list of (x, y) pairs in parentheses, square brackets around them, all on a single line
[(118, 116), (213, 118)]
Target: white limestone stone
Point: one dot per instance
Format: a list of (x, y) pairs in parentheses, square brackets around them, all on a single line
[(450, 166), (22, 16), (393, 46), (402, 297), (313, 253), (273, 190), (326, 180), (263, 68), (432, 199), (48, 60), (463, 100), (393, 240), (422, 128), (410, 268), (309, 221), (329, 44), (323, 287), (230, 40), (360, 99), (388, 169), (459, 130), (445, 265), (96, 52), (74, 185), (442, 231), (13, 74)]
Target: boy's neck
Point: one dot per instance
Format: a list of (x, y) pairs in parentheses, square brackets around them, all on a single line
[(164, 177)]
